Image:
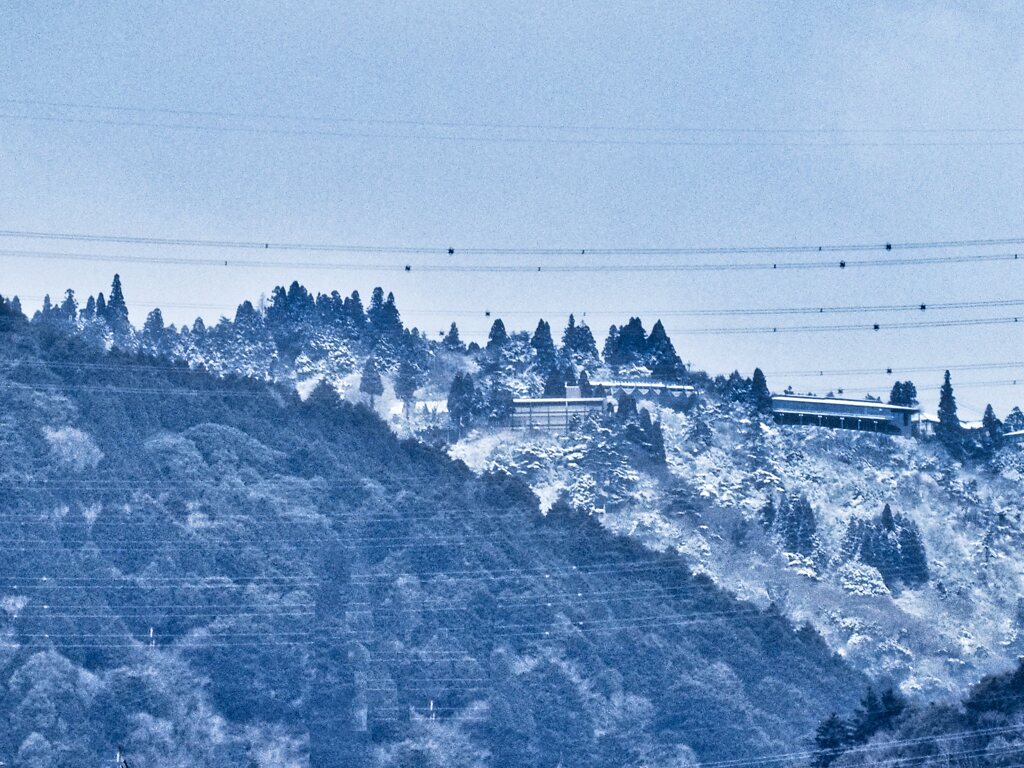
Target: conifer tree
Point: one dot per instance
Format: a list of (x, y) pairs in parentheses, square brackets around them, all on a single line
[(90, 309), (1014, 420), (500, 404), (578, 342), (664, 363), (584, 384), (992, 428), (632, 347), (407, 381), (16, 307), (903, 393), (101, 306), (760, 396), (117, 309), (497, 338), (830, 739), (610, 352), (462, 401), (370, 382), (69, 307), (153, 333), (796, 524), (948, 430), (544, 346), (452, 341), (554, 385)]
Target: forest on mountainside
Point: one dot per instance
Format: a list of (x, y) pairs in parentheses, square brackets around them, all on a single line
[(211, 570)]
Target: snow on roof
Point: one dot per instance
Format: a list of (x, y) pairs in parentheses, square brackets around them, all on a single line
[(639, 384), (1014, 433), (809, 399), (558, 400)]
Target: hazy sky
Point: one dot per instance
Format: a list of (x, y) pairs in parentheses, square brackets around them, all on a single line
[(405, 67)]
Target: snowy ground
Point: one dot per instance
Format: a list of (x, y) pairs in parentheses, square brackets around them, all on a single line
[(722, 466)]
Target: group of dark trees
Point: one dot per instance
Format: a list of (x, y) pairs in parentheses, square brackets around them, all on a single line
[(792, 518), (629, 346), (835, 735), (891, 543), (986, 729)]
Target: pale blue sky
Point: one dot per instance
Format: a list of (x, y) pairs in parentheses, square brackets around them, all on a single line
[(707, 65)]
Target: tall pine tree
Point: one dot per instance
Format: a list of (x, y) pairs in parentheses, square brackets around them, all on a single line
[(760, 396), (949, 430)]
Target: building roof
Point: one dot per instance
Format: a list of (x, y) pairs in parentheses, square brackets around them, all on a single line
[(641, 385), (811, 400), (558, 401), (1014, 433)]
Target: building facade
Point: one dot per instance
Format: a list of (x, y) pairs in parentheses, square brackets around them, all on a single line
[(651, 390), (840, 413)]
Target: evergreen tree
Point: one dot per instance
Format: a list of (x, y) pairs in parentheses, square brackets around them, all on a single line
[(611, 347), (15, 306), (69, 307), (991, 429), (452, 342), (584, 384), (117, 309), (664, 363), (153, 333), (554, 385), (370, 382), (462, 401), (632, 347), (760, 396), (407, 381), (948, 429), (90, 309), (101, 306), (500, 405), (354, 312), (578, 343), (903, 393), (497, 338), (1014, 420), (796, 525), (830, 739), (544, 346)]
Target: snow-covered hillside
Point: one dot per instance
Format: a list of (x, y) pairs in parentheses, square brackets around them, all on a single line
[(723, 467)]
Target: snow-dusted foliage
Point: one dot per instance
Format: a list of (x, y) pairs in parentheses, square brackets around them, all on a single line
[(924, 592)]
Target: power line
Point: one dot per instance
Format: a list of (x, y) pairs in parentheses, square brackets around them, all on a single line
[(495, 251), (500, 126), (897, 371), (722, 312), (537, 268), (479, 138)]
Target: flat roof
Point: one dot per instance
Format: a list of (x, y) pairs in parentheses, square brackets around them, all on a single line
[(810, 400), (558, 401), (1014, 433), (650, 384)]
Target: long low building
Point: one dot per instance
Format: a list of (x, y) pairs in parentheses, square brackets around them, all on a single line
[(656, 390), (554, 414), (840, 413)]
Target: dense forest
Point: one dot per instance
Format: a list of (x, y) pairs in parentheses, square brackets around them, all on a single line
[(203, 570)]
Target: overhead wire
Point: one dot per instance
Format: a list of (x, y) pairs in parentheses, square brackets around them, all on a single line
[(823, 142)]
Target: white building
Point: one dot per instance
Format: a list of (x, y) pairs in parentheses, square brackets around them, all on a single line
[(840, 413), (652, 390), (555, 414)]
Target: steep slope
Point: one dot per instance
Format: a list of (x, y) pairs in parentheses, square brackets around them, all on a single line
[(211, 571), (935, 624)]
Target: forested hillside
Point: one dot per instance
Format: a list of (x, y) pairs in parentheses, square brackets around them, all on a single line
[(211, 571)]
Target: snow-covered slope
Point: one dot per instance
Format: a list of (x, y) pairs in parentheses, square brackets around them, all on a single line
[(723, 467)]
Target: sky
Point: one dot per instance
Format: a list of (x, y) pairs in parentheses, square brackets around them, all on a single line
[(529, 126)]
